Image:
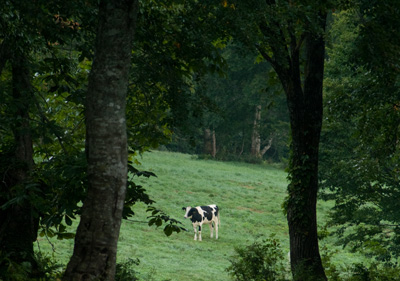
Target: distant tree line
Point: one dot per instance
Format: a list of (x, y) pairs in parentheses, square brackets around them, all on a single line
[(244, 117)]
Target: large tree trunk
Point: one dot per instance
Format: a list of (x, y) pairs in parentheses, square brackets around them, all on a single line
[(304, 100), (94, 256), (18, 226), (305, 107)]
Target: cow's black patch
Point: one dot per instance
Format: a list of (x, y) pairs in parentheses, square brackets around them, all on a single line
[(216, 211), (194, 215), (207, 212)]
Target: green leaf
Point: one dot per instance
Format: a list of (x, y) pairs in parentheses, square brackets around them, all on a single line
[(168, 230), (68, 221)]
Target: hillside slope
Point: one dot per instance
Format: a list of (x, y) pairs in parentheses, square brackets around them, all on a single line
[(249, 197)]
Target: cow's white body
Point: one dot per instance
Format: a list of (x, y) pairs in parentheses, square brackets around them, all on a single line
[(203, 215)]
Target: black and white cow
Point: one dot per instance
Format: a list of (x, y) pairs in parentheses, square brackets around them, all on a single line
[(203, 215)]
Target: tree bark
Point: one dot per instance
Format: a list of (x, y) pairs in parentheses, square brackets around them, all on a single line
[(94, 256), (255, 136), (210, 142), (256, 150), (304, 100), (267, 147), (18, 226), (305, 107), (214, 144), (207, 141)]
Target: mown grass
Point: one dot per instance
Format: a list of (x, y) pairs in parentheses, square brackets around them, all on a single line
[(249, 197)]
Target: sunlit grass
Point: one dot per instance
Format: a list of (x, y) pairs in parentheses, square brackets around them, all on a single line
[(249, 197)]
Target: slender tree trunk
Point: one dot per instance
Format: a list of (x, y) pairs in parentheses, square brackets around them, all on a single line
[(18, 226), (94, 256), (214, 144), (305, 107), (242, 147), (267, 147), (256, 150), (210, 142), (255, 137), (207, 142)]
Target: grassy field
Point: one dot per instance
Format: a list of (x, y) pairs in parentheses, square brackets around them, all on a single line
[(249, 197)]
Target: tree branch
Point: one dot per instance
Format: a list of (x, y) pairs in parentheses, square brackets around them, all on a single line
[(267, 147)]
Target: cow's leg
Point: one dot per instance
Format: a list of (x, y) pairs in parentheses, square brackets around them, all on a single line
[(216, 228), (211, 230), (195, 232), (199, 232)]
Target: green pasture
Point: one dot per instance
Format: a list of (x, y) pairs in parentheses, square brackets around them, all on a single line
[(249, 197)]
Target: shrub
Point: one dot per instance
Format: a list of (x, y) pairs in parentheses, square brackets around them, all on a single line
[(124, 271), (360, 272), (374, 272), (43, 268), (260, 261)]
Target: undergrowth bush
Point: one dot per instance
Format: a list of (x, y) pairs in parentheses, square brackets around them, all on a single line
[(265, 261), (260, 261), (43, 268), (373, 272), (125, 271), (359, 271)]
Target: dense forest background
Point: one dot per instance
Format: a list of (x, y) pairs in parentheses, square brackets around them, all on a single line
[(88, 86), (246, 116)]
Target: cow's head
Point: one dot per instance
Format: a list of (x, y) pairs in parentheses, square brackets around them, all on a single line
[(186, 209)]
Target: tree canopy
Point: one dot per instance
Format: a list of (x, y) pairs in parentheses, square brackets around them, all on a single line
[(360, 142)]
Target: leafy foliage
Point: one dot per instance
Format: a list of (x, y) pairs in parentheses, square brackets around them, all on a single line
[(57, 37), (45, 269), (174, 47), (360, 141), (262, 260), (158, 217), (125, 271)]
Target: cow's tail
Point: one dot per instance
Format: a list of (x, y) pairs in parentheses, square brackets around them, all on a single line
[(219, 219)]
